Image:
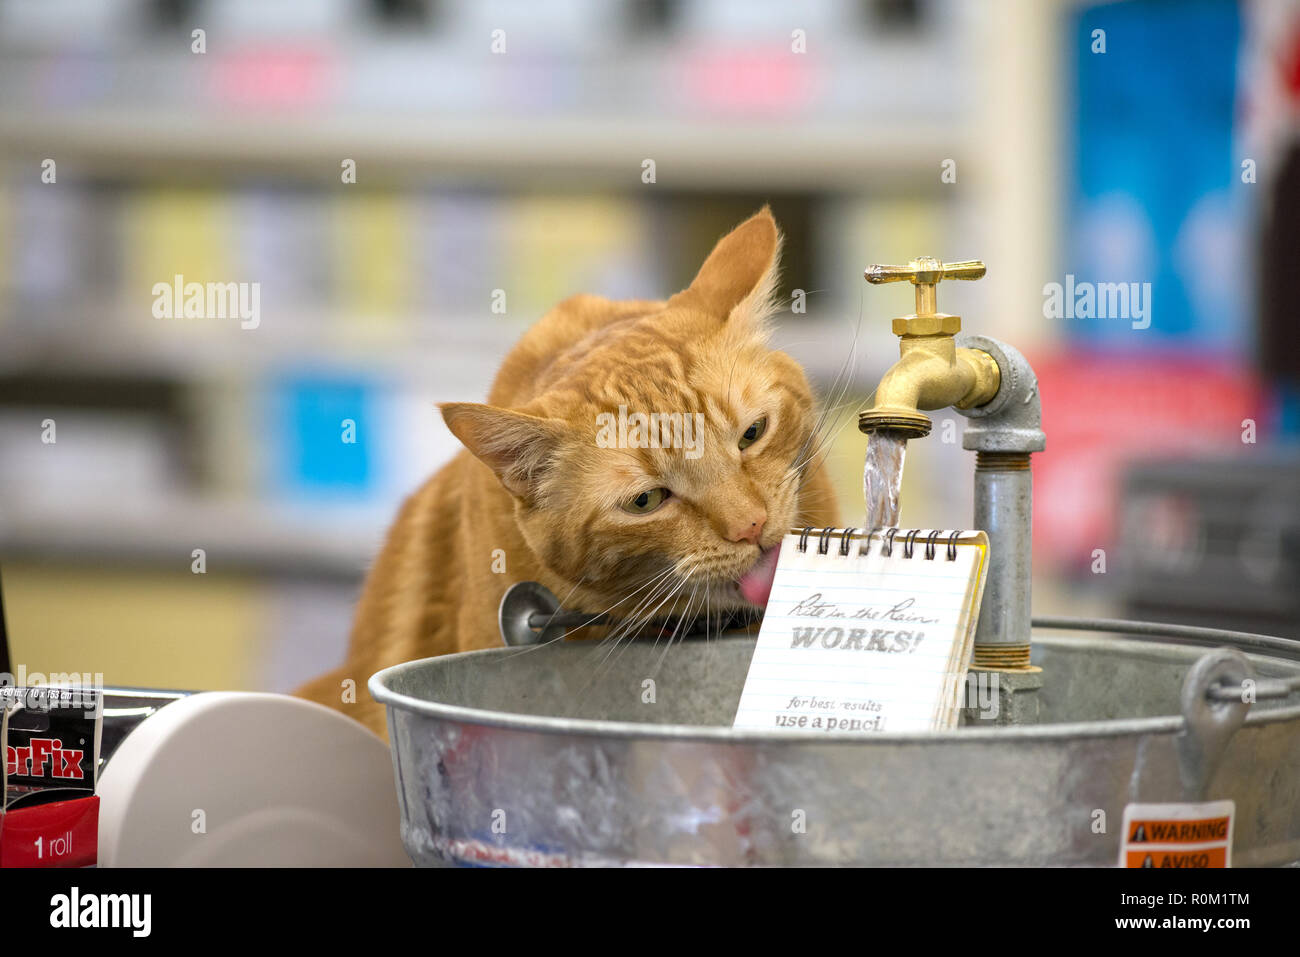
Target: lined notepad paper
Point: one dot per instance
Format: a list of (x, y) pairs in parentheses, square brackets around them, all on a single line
[(866, 634)]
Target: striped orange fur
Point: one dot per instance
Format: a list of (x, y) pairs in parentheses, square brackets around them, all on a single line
[(536, 482)]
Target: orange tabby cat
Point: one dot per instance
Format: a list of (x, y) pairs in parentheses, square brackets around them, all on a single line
[(544, 478)]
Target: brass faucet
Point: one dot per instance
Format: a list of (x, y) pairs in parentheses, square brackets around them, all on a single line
[(931, 373)]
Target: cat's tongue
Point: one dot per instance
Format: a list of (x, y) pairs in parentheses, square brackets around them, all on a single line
[(756, 584)]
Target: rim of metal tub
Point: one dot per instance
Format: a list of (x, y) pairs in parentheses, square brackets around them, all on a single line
[(1122, 630)]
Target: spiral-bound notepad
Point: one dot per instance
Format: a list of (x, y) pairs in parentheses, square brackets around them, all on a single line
[(866, 633)]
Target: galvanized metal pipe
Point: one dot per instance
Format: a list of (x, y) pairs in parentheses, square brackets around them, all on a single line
[(1004, 496), (1003, 433)]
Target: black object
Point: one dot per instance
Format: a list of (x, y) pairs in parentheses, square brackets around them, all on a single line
[(6, 662), (1213, 543), (1279, 253)]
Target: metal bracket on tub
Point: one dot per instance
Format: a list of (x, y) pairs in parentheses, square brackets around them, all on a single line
[(1211, 718), (518, 606), (531, 615)]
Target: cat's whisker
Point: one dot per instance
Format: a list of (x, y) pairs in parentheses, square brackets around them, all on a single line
[(606, 663), (810, 457), (818, 454), (569, 593), (834, 405), (682, 577), (635, 619), (604, 650), (839, 388), (840, 384), (816, 496), (832, 408), (684, 617), (734, 363), (708, 591), (681, 624), (808, 450), (654, 583)]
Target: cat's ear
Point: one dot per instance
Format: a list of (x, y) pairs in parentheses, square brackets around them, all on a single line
[(738, 279), (519, 448)]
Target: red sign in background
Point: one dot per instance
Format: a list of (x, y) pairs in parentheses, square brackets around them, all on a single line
[(1102, 411)]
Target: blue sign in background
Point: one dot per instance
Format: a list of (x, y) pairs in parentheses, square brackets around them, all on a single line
[(310, 458), (1156, 194)]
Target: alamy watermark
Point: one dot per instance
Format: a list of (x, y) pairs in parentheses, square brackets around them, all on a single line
[(37, 691), (653, 430), (179, 299), (1101, 300)]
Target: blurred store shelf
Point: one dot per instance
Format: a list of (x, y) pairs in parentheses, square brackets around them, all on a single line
[(589, 150), (457, 355), (477, 175), (337, 542)]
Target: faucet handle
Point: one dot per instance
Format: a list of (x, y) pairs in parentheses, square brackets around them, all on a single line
[(966, 269), (926, 273), (926, 270)]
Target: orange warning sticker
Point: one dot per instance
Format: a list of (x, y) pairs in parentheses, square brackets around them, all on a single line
[(1177, 835), (1159, 857), (1156, 831)]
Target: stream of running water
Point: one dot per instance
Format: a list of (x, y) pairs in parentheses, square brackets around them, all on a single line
[(882, 477)]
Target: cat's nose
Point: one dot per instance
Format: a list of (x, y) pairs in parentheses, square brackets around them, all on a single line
[(748, 528)]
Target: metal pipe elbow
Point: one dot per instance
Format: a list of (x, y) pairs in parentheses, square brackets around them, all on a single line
[(1012, 421)]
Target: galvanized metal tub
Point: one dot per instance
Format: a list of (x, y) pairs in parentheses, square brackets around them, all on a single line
[(563, 755)]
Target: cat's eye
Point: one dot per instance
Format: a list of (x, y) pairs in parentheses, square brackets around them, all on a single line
[(647, 501), (753, 433)]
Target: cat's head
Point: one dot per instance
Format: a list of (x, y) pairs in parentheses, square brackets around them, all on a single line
[(663, 453)]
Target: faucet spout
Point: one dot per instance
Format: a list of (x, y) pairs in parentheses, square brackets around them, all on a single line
[(931, 373)]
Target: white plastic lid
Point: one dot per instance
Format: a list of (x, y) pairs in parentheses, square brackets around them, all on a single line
[(239, 779)]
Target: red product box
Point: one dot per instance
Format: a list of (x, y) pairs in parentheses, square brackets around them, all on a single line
[(49, 812), (58, 834)]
